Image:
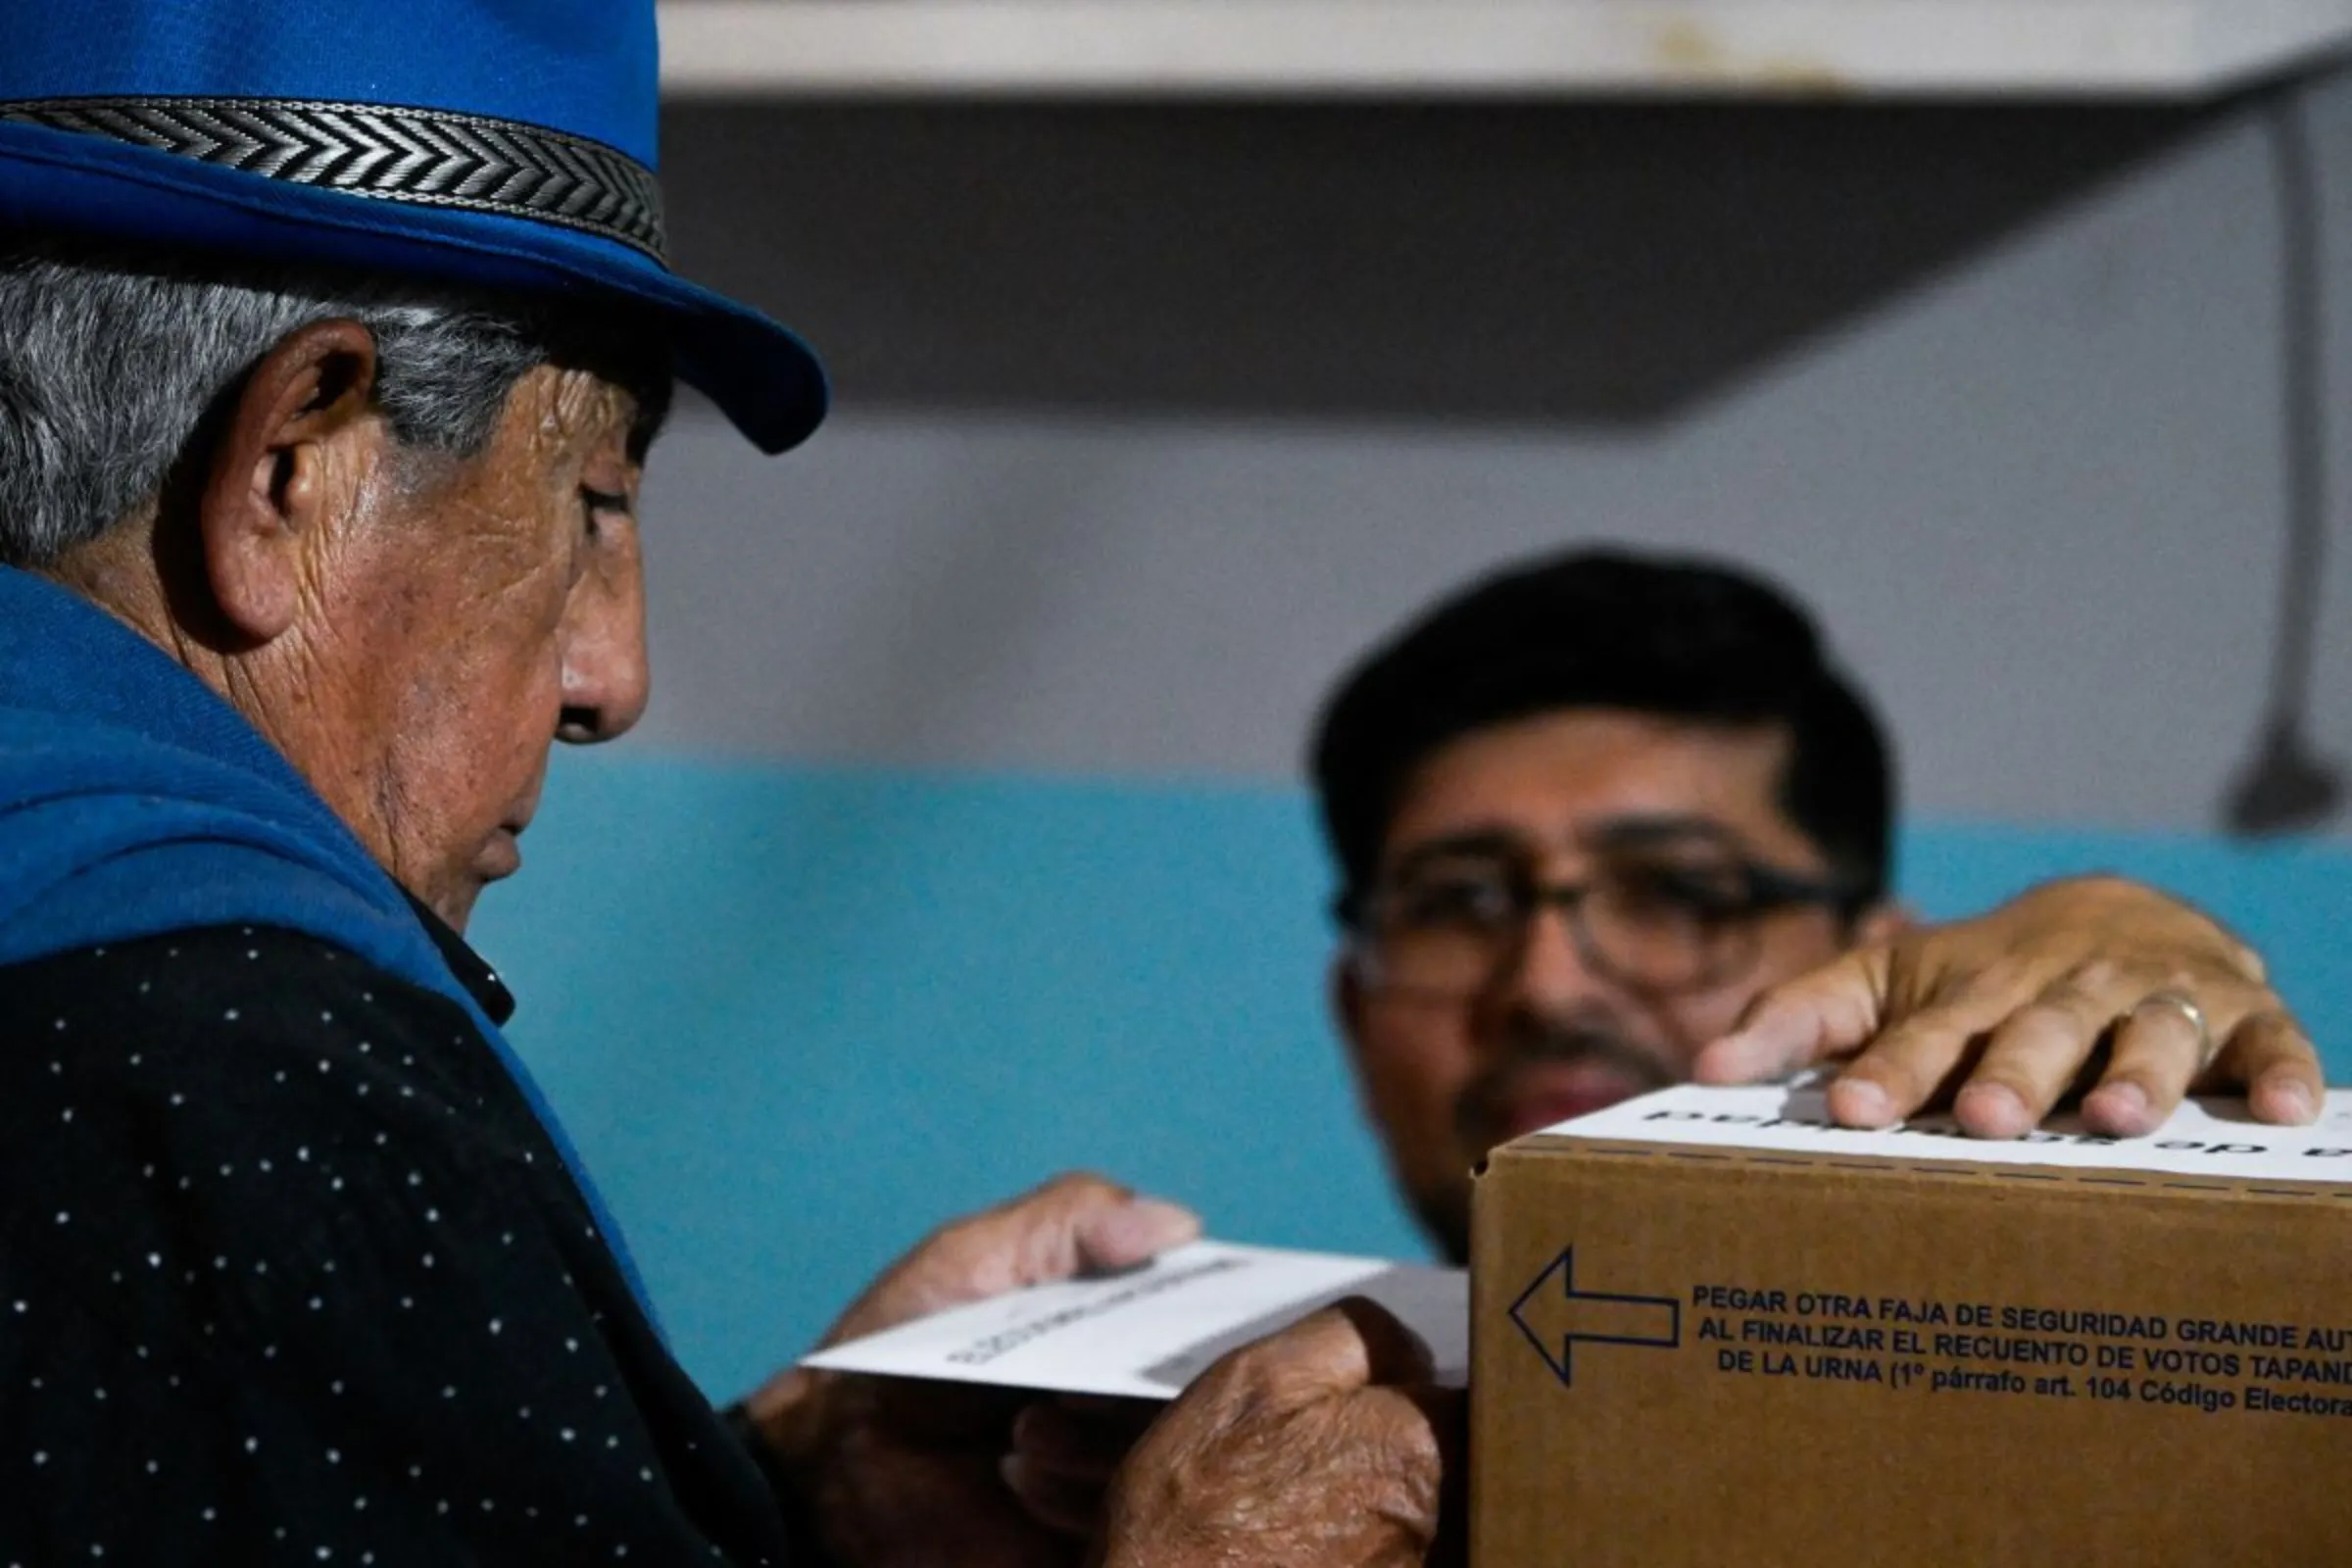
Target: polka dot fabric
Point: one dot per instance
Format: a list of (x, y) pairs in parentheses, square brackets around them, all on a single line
[(289, 1274)]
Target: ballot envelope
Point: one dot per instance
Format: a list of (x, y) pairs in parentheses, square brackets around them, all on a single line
[(1145, 1333)]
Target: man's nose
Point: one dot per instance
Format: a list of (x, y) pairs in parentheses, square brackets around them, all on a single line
[(1545, 971), (606, 675)]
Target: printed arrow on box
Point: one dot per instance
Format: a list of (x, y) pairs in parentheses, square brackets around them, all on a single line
[(1567, 1316)]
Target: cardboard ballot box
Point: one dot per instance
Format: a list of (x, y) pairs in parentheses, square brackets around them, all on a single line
[(1710, 1328)]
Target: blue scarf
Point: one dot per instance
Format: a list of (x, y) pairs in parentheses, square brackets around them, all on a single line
[(134, 801)]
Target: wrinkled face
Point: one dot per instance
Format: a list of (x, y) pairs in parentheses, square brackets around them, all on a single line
[(1576, 798), (485, 609)]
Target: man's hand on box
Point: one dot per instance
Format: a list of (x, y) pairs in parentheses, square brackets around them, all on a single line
[(1323, 1445), (2096, 981), (897, 1473)]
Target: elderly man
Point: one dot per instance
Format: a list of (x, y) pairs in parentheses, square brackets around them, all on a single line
[(1604, 823), (331, 344)]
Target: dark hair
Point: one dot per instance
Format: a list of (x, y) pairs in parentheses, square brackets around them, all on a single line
[(1680, 638)]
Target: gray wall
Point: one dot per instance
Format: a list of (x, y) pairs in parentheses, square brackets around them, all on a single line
[(1151, 418)]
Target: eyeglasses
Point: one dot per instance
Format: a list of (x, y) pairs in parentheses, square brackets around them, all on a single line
[(1658, 921)]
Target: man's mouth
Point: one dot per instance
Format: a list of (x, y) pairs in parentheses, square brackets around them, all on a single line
[(1546, 1096)]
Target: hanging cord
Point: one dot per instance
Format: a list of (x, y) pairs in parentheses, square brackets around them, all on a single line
[(2287, 786)]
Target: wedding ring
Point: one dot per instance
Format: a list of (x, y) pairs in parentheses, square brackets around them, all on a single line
[(2187, 1009)]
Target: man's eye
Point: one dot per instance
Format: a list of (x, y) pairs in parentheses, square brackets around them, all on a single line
[(1703, 893), (596, 505), (1455, 903)]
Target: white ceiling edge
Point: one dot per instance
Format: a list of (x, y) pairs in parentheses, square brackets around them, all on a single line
[(1488, 48)]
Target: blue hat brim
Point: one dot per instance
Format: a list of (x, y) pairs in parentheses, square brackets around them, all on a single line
[(760, 373)]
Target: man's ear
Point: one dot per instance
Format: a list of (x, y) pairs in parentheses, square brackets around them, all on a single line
[(1882, 922), (1344, 986), (289, 453)]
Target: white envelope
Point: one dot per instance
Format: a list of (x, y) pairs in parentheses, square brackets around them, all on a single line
[(1147, 1332)]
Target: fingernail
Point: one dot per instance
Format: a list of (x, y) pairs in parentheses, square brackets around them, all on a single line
[(1865, 1103), (1147, 1226), (1725, 1061), (2295, 1099), (2125, 1102), (1996, 1110)]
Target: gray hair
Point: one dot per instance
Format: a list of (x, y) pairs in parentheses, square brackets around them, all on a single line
[(110, 367)]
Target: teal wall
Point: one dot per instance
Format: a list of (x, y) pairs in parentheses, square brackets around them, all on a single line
[(796, 1017)]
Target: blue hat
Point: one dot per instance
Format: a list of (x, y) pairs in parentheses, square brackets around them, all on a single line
[(500, 143)]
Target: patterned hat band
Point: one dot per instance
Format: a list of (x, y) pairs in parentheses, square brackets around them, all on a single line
[(421, 157)]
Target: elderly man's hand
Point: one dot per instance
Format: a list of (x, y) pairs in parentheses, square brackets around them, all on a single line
[(1323, 1445), (2075, 984), (892, 1473)]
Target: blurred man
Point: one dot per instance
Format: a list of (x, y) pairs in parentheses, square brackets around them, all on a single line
[(1605, 823)]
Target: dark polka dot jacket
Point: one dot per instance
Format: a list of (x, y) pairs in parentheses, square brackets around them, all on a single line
[(289, 1273)]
